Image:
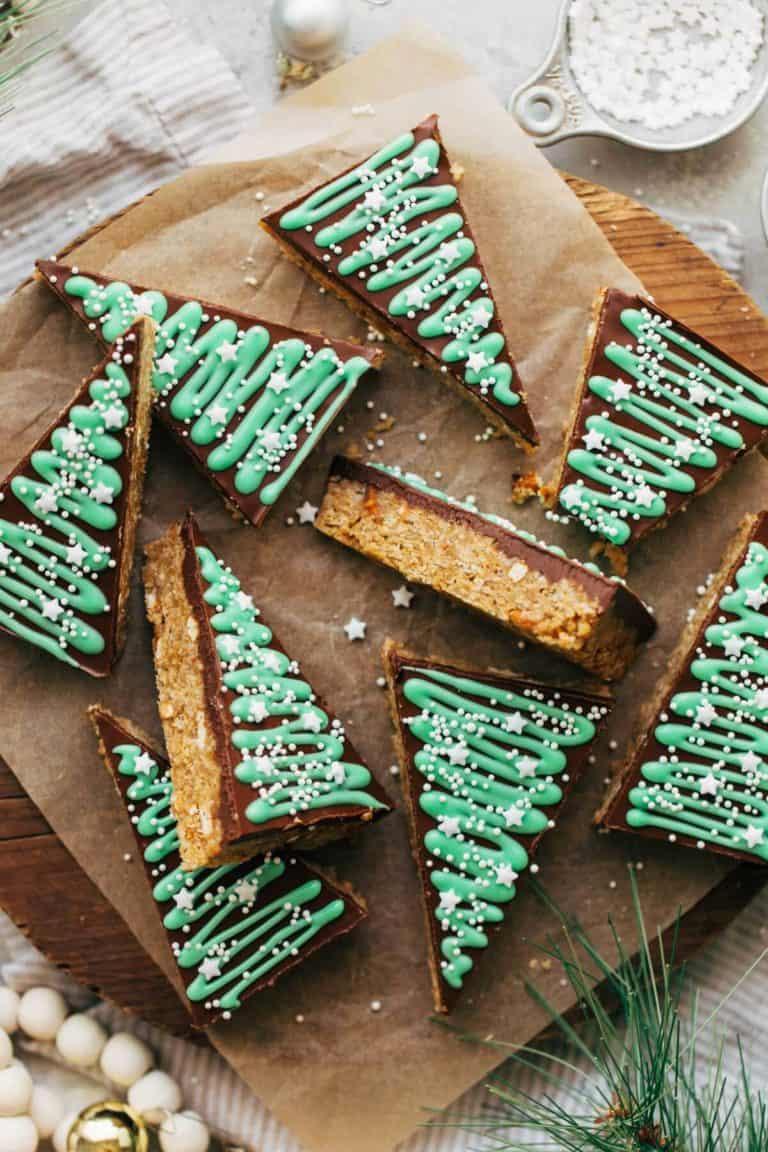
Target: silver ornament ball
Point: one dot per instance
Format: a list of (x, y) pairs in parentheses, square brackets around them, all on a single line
[(310, 29)]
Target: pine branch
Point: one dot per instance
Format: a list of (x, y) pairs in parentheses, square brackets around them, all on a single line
[(17, 52), (642, 1089)]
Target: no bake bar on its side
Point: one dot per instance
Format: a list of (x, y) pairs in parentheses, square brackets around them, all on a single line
[(487, 760), (233, 931), (659, 416), (69, 512), (485, 563), (697, 773), (257, 760), (247, 399), (391, 238)]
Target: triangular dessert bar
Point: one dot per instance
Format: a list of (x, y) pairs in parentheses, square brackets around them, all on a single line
[(246, 398), (698, 773), (235, 930), (660, 415), (69, 510), (257, 760), (390, 236), (487, 760)]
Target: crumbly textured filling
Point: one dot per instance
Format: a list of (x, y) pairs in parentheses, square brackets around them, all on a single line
[(188, 732), (470, 567)]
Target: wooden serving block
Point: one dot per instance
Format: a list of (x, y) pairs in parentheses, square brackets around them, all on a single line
[(54, 903), (57, 906)]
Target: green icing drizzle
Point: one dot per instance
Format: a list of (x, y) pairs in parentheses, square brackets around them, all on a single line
[(412, 244), (291, 751), (258, 407), (712, 785), (229, 955), (688, 403), (51, 564), (492, 762)]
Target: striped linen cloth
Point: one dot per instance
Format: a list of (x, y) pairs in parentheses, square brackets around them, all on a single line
[(86, 139)]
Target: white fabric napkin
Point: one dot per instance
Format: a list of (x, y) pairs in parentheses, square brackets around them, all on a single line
[(127, 101)]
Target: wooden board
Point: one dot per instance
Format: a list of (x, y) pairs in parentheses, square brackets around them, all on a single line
[(92, 942), (49, 897)]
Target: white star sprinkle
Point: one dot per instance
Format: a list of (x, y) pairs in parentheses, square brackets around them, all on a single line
[(230, 645), (227, 352), (526, 766), (705, 713), (246, 891), (278, 382), (378, 248), (506, 875), (5, 554), (449, 900), (166, 364), (644, 496), (312, 721), (307, 513), (210, 968), (144, 762), (402, 596), (698, 394), (259, 711), (75, 555), (684, 449), (355, 629), (750, 762), (753, 836), (755, 597), (480, 317), (449, 252), (760, 699), (457, 754), (51, 610), (476, 361), (513, 817), (421, 167), (184, 900), (102, 493), (449, 825), (262, 764), (515, 722), (733, 646), (244, 601), (70, 441), (217, 414), (271, 441), (113, 417), (46, 502), (414, 296), (142, 306), (374, 199), (709, 785), (620, 391), (593, 440)]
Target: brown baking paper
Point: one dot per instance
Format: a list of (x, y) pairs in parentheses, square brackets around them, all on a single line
[(348, 1078)]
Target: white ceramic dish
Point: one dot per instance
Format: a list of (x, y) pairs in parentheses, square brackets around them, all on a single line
[(551, 108)]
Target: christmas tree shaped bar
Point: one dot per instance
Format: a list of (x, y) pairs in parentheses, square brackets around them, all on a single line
[(68, 515), (487, 563), (487, 761), (257, 760), (698, 774), (233, 930), (390, 237), (246, 398), (659, 416)]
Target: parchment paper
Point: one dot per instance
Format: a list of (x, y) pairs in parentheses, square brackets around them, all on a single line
[(347, 1078)]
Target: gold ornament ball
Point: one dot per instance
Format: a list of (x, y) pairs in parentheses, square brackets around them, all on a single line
[(108, 1127)]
